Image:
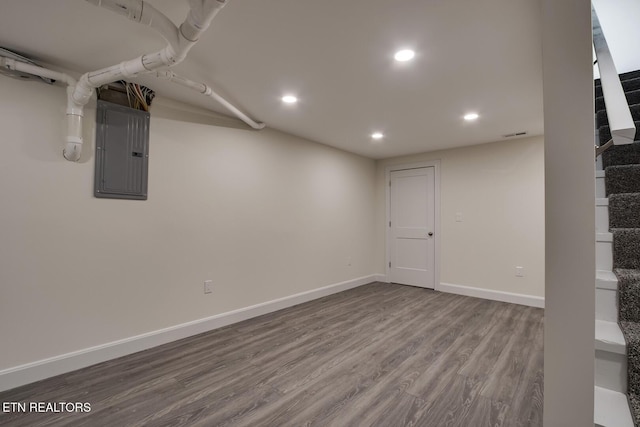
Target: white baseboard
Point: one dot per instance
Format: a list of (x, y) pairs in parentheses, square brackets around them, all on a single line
[(522, 299), (381, 278), (46, 368)]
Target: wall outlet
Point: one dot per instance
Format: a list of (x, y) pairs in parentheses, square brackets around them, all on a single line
[(349, 261), (458, 216), (208, 286), (519, 271)]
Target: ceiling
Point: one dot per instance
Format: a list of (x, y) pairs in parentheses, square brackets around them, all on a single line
[(336, 56)]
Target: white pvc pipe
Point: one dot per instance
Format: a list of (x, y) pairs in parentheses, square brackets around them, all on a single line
[(200, 16), (180, 41), (143, 13), (132, 9), (197, 21), (75, 112), (208, 91), (14, 65)]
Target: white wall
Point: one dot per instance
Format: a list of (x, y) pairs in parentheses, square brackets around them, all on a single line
[(263, 214), (569, 323), (619, 22), (499, 189)]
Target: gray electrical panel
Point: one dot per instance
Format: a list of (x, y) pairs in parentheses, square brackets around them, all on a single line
[(122, 152)]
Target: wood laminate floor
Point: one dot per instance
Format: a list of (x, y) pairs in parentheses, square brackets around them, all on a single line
[(378, 355)]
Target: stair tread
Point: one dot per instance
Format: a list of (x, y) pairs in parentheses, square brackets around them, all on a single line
[(635, 142), (606, 280), (611, 408), (609, 337), (624, 195), (629, 274), (632, 166), (604, 237)]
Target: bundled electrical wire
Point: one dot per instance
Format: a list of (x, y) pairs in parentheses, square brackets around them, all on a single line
[(139, 97), (131, 95)]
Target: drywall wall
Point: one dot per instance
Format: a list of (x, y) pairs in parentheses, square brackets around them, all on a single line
[(498, 189), (262, 214), (619, 21), (569, 319)]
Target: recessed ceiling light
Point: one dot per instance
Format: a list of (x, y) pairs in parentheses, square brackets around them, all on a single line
[(404, 55), (377, 135), (471, 116), (289, 99)]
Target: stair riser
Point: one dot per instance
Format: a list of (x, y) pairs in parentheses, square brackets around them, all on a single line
[(611, 409), (602, 219), (611, 371), (630, 75), (633, 368), (623, 179), (607, 305), (604, 255), (628, 310), (626, 249), (600, 189), (624, 211), (621, 155)]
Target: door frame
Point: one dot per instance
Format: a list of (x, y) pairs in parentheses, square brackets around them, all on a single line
[(387, 177)]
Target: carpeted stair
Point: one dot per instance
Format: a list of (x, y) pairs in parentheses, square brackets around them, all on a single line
[(622, 179), (622, 183), (621, 154)]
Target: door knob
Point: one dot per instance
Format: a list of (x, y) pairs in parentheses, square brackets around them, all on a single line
[(430, 233)]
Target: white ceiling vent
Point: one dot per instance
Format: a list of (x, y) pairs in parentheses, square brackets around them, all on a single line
[(511, 135)]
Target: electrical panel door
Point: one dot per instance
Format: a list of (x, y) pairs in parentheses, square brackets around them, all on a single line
[(122, 152)]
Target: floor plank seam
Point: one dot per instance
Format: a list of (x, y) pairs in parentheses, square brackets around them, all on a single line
[(385, 355)]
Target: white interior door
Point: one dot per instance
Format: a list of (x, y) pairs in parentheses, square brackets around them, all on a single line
[(412, 222)]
